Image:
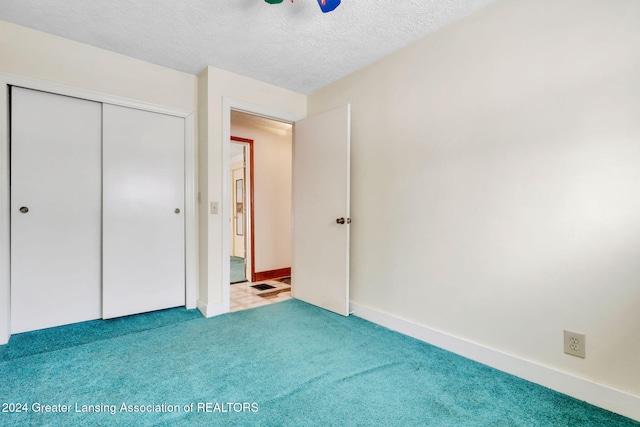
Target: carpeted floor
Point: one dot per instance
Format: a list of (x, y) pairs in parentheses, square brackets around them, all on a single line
[(238, 270), (286, 364)]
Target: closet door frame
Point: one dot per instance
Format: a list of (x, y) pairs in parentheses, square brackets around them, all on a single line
[(191, 244)]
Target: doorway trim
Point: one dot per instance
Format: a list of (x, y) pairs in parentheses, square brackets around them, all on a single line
[(229, 104), (6, 80), (251, 243)]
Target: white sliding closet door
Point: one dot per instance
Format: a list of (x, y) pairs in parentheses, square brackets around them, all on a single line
[(55, 210), (143, 211)]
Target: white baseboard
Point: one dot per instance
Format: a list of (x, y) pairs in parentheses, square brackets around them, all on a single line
[(596, 394), (210, 310)]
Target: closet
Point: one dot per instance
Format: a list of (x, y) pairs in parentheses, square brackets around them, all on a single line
[(97, 210)]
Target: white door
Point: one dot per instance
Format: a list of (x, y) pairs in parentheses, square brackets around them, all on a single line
[(320, 252), (55, 210), (238, 208), (143, 211)]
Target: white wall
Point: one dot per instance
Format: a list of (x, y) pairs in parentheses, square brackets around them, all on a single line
[(225, 87), (495, 182), (43, 56), (272, 150)]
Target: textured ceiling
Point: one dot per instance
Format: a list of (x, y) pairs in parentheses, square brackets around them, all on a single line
[(292, 45)]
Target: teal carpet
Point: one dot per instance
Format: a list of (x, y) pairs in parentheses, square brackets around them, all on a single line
[(286, 364), (237, 270)]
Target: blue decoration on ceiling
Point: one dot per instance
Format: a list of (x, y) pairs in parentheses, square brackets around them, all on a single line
[(328, 5), (325, 5)]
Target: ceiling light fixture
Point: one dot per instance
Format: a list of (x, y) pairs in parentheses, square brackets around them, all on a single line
[(325, 5)]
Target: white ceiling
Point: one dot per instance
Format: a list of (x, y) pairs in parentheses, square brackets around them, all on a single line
[(292, 45)]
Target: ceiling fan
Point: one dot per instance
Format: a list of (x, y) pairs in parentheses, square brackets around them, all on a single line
[(325, 5)]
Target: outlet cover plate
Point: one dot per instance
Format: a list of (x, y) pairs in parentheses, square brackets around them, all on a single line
[(574, 344)]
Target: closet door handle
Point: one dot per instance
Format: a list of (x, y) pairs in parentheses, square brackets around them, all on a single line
[(24, 209), (177, 211)]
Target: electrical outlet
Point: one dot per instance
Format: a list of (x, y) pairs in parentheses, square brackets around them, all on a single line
[(574, 344)]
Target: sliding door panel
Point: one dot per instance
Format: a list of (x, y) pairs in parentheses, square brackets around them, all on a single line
[(143, 211), (55, 210)]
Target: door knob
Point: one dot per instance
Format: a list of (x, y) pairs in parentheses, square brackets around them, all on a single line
[(24, 209), (177, 211), (340, 221)]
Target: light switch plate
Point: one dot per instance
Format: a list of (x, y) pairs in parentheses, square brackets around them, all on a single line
[(214, 208)]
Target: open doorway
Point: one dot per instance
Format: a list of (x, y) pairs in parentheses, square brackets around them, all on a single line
[(321, 167), (260, 168)]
